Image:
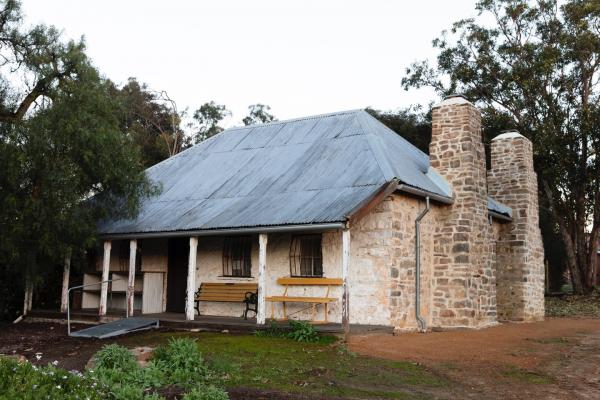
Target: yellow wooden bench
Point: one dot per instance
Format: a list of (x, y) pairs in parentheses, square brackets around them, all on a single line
[(232, 292), (313, 301)]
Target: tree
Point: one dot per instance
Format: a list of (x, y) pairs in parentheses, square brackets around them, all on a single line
[(207, 119), (65, 162), (152, 120), (538, 64), (258, 114), (412, 124)]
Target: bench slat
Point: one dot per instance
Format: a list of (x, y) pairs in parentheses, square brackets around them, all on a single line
[(224, 291), (292, 299), (310, 281)]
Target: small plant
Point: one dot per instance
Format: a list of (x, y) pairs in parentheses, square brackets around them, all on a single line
[(303, 331), (26, 381), (183, 361), (113, 356), (206, 393)]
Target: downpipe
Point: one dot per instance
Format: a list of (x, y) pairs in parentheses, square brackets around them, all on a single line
[(421, 324)]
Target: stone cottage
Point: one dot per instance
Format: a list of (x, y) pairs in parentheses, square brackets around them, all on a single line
[(335, 218)]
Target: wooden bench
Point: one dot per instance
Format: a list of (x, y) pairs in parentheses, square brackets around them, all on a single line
[(231, 292), (312, 301)]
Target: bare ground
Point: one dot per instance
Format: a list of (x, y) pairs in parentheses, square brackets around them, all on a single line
[(554, 359)]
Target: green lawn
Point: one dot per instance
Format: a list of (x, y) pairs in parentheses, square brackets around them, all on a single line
[(322, 368)]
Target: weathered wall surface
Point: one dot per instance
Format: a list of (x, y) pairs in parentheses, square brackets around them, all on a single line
[(520, 253), (404, 212), (464, 284)]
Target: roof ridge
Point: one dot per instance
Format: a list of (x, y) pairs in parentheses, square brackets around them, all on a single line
[(285, 121)]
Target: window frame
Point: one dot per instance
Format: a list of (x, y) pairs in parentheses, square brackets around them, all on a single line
[(228, 260), (296, 257)]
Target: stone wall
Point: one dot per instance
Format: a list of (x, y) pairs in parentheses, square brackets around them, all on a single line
[(464, 280), (520, 254), (405, 210)]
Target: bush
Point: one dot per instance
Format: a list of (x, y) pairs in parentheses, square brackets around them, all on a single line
[(113, 356), (182, 361), (25, 381), (303, 332)]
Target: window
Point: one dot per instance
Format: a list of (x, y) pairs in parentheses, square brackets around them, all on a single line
[(306, 258), (236, 256)]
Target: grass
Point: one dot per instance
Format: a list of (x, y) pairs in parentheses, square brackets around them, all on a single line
[(322, 368), (521, 375), (574, 306)]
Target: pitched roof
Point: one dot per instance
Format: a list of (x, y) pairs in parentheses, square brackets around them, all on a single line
[(301, 171)]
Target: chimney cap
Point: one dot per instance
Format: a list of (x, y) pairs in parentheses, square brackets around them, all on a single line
[(453, 99), (509, 134)]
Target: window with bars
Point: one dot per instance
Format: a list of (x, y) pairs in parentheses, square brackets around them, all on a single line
[(306, 258), (236, 256)]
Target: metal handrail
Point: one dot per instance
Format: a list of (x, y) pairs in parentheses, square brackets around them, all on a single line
[(69, 299)]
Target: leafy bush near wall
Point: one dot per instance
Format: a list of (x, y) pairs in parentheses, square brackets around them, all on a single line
[(303, 332)]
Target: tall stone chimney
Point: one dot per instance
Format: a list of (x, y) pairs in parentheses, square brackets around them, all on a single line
[(464, 277), (519, 249)]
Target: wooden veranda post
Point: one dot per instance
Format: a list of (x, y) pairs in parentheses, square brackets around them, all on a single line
[(191, 280), (104, 286), (345, 268), (65, 283), (28, 296), (131, 277), (262, 264)]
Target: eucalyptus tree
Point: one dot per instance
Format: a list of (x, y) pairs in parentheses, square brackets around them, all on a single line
[(258, 114), (538, 64), (65, 163)]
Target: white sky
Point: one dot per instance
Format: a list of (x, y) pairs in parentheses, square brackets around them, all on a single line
[(299, 57)]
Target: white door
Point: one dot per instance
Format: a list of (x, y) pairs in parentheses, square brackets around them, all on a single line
[(152, 298)]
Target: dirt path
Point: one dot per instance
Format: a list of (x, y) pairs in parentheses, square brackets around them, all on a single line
[(554, 359)]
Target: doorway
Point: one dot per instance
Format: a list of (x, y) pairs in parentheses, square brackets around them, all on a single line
[(177, 263)]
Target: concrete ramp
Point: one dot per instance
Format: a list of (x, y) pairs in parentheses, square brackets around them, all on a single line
[(116, 328)]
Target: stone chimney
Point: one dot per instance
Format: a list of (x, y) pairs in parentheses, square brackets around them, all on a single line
[(464, 277), (519, 249)]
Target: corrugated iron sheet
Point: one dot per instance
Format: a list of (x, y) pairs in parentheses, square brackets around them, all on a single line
[(303, 171)]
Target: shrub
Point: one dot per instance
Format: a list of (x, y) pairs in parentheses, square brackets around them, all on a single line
[(25, 381), (206, 393), (182, 361), (303, 332), (113, 356)]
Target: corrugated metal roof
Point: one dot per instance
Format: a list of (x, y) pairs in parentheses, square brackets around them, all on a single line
[(498, 207), (303, 171)]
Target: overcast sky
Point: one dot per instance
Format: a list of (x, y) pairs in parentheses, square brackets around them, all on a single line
[(299, 57)]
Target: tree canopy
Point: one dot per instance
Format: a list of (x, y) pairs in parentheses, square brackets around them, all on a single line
[(258, 114), (65, 162), (537, 68)]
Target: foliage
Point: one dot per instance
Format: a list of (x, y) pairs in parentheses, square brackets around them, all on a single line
[(258, 114), (183, 361), (319, 369), (574, 305), (151, 120), (206, 393), (179, 363), (113, 356), (207, 119), (274, 331), (60, 144), (25, 381), (537, 64), (303, 331)]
